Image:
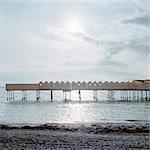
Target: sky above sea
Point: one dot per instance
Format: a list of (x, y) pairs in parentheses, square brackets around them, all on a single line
[(74, 40)]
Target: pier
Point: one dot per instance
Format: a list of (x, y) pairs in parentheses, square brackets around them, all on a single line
[(138, 90)]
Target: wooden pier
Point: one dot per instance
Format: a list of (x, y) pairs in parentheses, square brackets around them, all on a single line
[(137, 89)]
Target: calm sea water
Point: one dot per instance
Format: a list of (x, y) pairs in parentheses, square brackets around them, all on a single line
[(71, 111)]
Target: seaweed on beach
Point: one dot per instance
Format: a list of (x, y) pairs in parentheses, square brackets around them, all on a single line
[(95, 129)]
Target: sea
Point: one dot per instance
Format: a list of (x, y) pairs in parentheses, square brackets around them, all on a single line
[(72, 110)]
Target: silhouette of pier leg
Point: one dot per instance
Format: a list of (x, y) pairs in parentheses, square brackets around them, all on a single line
[(129, 95), (95, 95), (23, 98), (137, 92), (24, 95), (141, 95), (79, 95), (65, 95), (7, 95), (133, 95), (37, 95), (10, 95), (111, 94), (13, 95), (70, 95), (25, 92), (146, 98), (124, 95), (127, 98), (121, 95), (51, 95)]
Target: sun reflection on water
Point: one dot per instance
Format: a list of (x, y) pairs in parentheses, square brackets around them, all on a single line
[(75, 113)]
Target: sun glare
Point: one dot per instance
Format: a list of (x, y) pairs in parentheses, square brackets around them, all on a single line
[(74, 26)]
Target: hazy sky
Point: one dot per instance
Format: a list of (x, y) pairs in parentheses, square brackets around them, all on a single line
[(74, 40)]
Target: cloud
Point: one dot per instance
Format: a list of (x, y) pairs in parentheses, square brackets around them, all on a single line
[(107, 53), (140, 44), (139, 20), (67, 36)]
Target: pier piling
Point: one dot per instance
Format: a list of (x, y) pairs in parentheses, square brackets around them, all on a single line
[(79, 95), (146, 98), (37, 95), (51, 95)]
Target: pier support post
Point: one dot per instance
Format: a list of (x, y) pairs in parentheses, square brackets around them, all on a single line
[(10, 95), (51, 95), (121, 95), (137, 92), (70, 94), (95, 95), (79, 95), (23, 96), (13, 95), (26, 95), (124, 95), (111, 94), (37, 95), (7, 95), (133, 95), (146, 98), (141, 95), (129, 95), (65, 96)]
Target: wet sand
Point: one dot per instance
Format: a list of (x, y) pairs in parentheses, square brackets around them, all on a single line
[(108, 136)]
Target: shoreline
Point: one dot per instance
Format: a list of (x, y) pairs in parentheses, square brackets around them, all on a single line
[(133, 127)]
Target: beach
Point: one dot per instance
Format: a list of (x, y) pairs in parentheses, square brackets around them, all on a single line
[(108, 136)]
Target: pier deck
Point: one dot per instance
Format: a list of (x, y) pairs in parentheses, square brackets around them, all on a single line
[(134, 85)]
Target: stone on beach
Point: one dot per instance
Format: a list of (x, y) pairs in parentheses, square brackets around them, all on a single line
[(62, 137)]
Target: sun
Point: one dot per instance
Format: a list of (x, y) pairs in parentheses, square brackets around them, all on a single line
[(74, 26)]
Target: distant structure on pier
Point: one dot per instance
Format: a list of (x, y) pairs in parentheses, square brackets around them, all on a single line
[(134, 85), (137, 89), (141, 81)]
